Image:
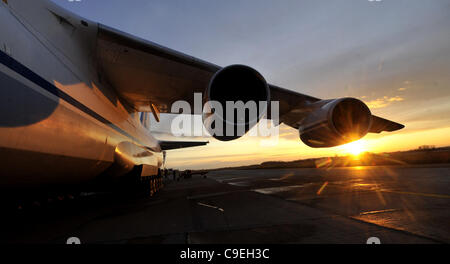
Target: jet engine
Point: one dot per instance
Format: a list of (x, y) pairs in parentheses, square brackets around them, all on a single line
[(238, 96), (335, 122)]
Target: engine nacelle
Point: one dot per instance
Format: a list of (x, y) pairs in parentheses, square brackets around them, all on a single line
[(335, 122), (239, 85)]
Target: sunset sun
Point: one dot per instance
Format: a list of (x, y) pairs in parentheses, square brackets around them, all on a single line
[(354, 148)]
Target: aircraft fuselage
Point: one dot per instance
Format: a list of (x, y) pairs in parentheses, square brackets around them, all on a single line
[(60, 123)]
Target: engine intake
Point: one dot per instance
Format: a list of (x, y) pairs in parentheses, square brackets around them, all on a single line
[(335, 122), (239, 85)]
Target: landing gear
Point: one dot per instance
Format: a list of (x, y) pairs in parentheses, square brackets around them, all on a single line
[(152, 184)]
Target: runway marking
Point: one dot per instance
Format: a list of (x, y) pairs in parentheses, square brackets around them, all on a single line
[(272, 190), (378, 211), (321, 188), (419, 194), (240, 183), (211, 206)]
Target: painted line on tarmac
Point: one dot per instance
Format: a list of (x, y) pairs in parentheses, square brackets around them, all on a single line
[(211, 206), (379, 211), (418, 194)]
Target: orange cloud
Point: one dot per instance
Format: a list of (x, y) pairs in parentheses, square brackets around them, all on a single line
[(383, 102), (395, 99)]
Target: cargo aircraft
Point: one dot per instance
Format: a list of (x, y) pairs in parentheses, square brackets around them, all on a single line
[(76, 98)]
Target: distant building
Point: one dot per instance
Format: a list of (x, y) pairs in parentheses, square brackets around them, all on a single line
[(427, 147)]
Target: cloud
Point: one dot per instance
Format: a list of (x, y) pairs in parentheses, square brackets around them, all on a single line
[(395, 99), (383, 102)]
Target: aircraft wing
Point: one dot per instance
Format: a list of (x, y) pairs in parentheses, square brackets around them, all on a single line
[(145, 73), (148, 75), (294, 106)]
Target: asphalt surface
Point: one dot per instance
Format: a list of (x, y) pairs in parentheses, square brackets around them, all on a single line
[(339, 205)]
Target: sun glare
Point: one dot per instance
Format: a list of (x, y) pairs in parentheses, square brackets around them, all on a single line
[(354, 148)]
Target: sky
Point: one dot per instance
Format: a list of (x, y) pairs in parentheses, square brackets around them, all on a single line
[(394, 55)]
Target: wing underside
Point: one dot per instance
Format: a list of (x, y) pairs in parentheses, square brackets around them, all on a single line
[(146, 75)]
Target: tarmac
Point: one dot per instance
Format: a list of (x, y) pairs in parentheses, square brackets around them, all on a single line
[(397, 204)]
